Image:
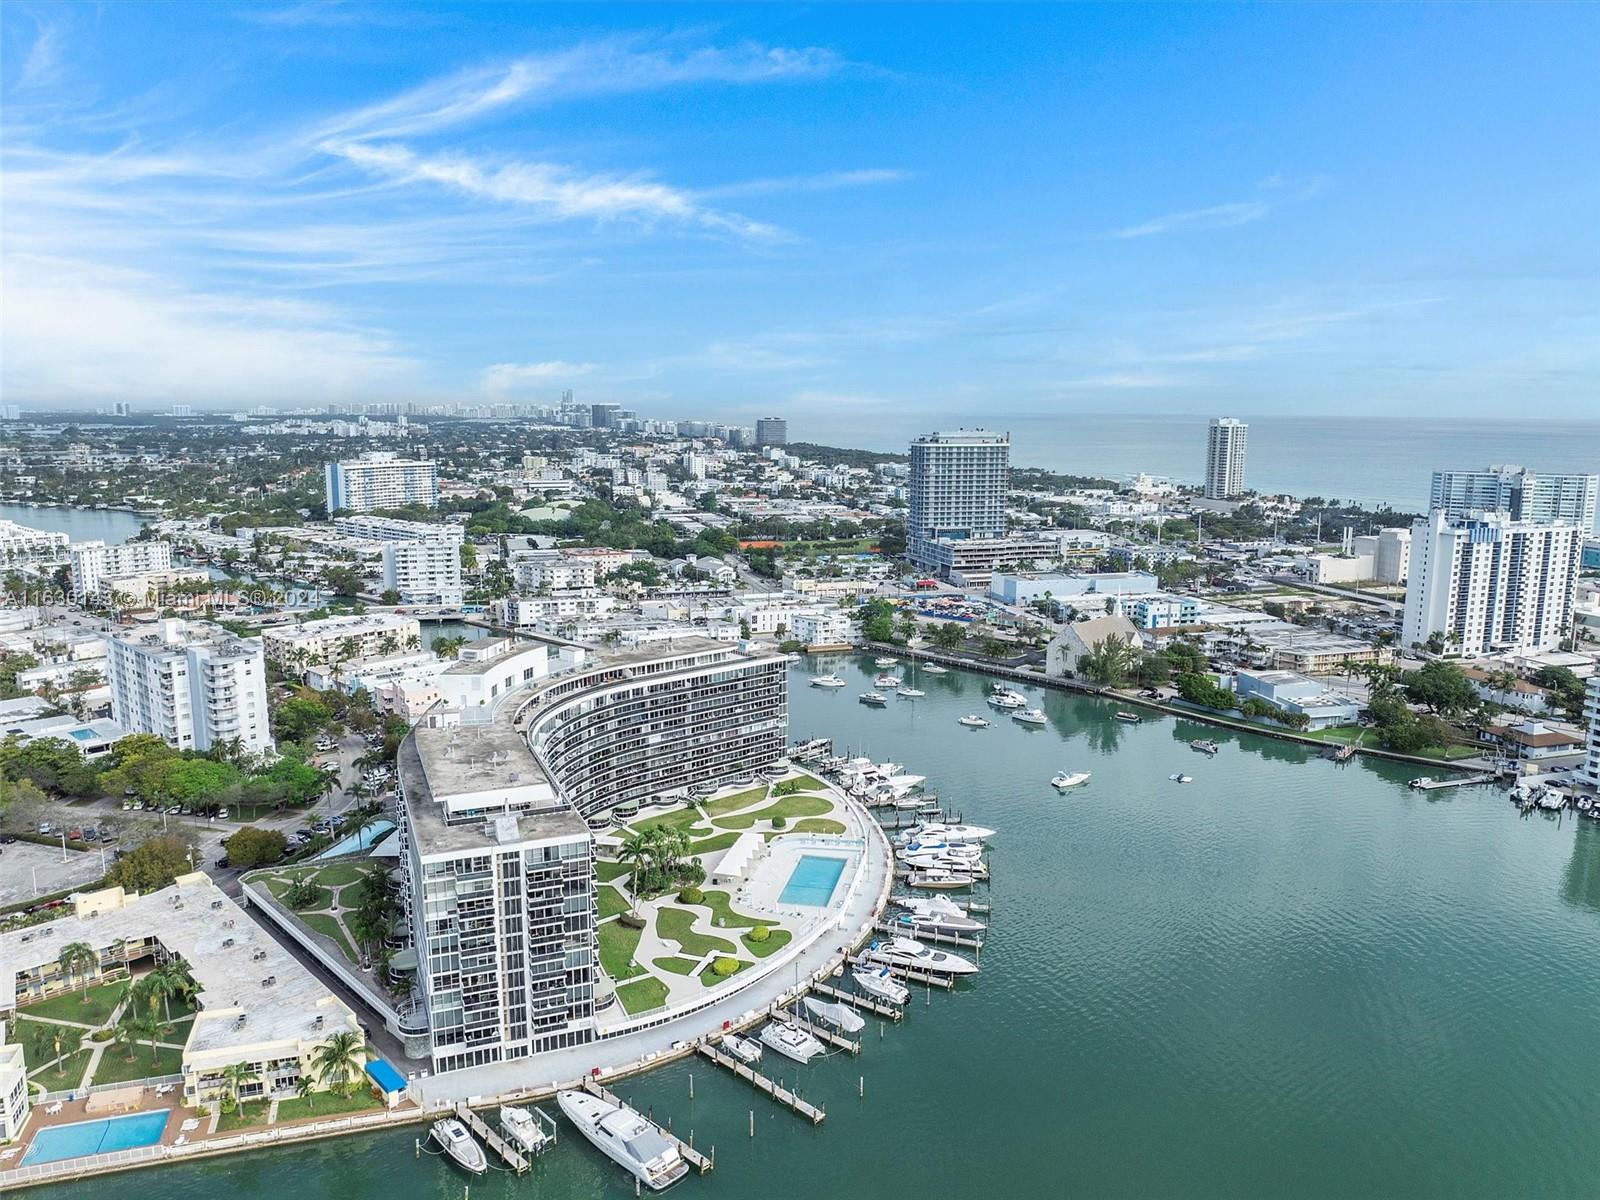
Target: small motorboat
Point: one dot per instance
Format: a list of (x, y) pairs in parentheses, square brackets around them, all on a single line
[(910, 693), (1132, 718), (939, 879), (886, 680), (1204, 746), (973, 721), (459, 1145), (877, 982), (523, 1128), (745, 1050), (1062, 780), (1030, 716), (1422, 782), (885, 661), (874, 699), (1008, 699), (1180, 777), (791, 1041), (827, 681), (935, 669), (840, 1016)]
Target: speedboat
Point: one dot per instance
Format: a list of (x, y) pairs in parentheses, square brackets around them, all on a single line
[(935, 669), (940, 879), (885, 661), (1008, 699), (876, 699), (1031, 716), (956, 858), (1063, 780), (973, 721), (910, 693), (886, 680), (791, 1041), (876, 981), (1132, 718), (523, 1128), (950, 833), (746, 1051), (1204, 746), (940, 846), (459, 1145), (908, 952), (973, 868), (828, 681), (1180, 777), (939, 912), (626, 1138), (840, 1016)]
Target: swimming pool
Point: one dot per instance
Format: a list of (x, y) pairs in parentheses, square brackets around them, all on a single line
[(96, 1137), (361, 840), (812, 881)]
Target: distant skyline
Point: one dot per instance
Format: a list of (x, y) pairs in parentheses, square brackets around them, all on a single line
[(860, 215)]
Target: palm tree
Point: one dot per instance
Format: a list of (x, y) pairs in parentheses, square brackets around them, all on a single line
[(78, 959), (635, 851), (236, 1076), (306, 1089), (161, 985), (125, 1036), (340, 1060)]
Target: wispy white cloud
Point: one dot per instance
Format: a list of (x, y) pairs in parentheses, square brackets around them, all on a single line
[(510, 377), (1217, 216), (827, 181), (42, 66)]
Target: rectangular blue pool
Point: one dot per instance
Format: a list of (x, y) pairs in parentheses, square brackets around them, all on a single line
[(813, 880), (96, 1137)]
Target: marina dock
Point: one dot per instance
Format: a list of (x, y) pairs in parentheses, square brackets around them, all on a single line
[(881, 1008), (821, 1032), (690, 1155), (911, 973), (509, 1154), (1432, 785), (779, 1093), (896, 929)]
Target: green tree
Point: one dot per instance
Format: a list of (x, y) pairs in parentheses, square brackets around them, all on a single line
[(253, 847), (300, 718), (151, 865), (339, 1062), (949, 635), (77, 961), (1442, 687), (236, 1077)]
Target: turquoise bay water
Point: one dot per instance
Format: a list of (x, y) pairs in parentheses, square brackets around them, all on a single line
[(81, 524), (1286, 979), (812, 881), (97, 1137)]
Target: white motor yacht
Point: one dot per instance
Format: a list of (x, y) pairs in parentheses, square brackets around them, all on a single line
[(523, 1128), (964, 850), (885, 661), (939, 912), (940, 879), (1031, 716), (910, 693), (973, 721), (459, 1145), (947, 832), (971, 867), (840, 1016), (791, 1041), (935, 669), (1062, 780), (874, 699), (626, 1138), (745, 1050), (908, 952), (1008, 699), (827, 681), (1180, 777), (886, 680), (876, 981)]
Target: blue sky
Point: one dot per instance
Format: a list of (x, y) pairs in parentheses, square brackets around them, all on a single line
[(809, 209)]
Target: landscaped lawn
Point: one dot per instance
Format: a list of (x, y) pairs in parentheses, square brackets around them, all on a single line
[(617, 944), (789, 808), (682, 818), (37, 1039), (254, 1113), (729, 804), (678, 966), (722, 912), (778, 940), (337, 874), (672, 925), (605, 870), (329, 926), (114, 1066), (710, 978), (326, 1104), (809, 825), (65, 1074), (69, 1006), (642, 995), (711, 845), (610, 902)]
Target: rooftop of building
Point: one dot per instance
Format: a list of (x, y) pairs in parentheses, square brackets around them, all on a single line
[(174, 635), (354, 623)]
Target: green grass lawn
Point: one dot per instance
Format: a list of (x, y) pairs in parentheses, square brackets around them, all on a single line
[(730, 804), (329, 926), (38, 1039), (720, 904), (809, 825), (114, 1066), (789, 808), (672, 924), (807, 783), (777, 941), (617, 944), (710, 845), (610, 902), (69, 1006), (65, 1074), (254, 1114), (679, 818), (326, 1104), (176, 1030), (678, 966), (642, 995), (605, 870), (338, 874), (710, 978)]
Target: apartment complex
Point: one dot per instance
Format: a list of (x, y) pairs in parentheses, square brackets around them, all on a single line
[(193, 683), (340, 639), (424, 572), (380, 480), (393, 529), (1490, 584), (1225, 447), (13, 1088), (956, 508), (21, 544), (772, 431), (1526, 495), (1590, 771), (93, 562)]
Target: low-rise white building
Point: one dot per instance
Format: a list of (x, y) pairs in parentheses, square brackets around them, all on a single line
[(424, 572), (193, 683), (335, 639), (91, 562)]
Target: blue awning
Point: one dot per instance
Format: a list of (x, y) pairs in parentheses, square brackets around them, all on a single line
[(385, 1076)]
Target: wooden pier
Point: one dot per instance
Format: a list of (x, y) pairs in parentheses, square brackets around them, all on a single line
[(881, 1008), (508, 1153), (821, 1032), (690, 1155), (1433, 785), (778, 1092), (928, 935)]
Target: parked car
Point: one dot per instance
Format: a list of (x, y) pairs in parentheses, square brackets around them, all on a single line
[(222, 814), (7, 838), (221, 864), (44, 828), (174, 810)]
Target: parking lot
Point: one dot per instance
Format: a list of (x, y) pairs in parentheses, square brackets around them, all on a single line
[(21, 863)]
